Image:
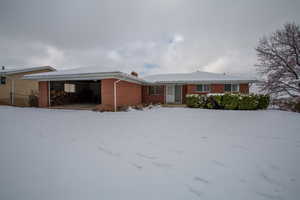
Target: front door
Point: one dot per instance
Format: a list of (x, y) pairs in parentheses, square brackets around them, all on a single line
[(173, 94), (170, 94), (178, 94)]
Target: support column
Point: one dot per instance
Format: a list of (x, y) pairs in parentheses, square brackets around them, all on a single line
[(43, 94)]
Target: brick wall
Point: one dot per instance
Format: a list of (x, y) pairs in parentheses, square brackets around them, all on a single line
[(127, 93), (244, 88), (153, 98), (217, 88), (43, 94), (214, 88)]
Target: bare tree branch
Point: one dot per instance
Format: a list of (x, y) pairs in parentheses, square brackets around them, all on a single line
[(279, 61)]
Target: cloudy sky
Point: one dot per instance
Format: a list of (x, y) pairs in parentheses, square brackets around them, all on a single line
[(153, 36)]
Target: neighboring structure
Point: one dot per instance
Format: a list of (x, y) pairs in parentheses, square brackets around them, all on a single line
[(14, 90), (114, 88), (172, 88)]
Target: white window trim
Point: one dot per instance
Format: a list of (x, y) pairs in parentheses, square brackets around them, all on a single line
[(209, 88)]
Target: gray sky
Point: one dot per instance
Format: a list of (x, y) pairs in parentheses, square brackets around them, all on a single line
[(153, 36)]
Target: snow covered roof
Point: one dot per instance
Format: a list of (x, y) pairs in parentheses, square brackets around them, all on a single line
[(197, 77), (98, 73), (18, 70), (84, 73)]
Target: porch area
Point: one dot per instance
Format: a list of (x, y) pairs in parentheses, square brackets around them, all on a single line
[(80, 94)]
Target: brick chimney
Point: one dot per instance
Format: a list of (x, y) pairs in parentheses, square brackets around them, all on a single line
[(133, 73)]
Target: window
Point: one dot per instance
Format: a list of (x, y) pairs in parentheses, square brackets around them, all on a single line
[(70, 88), (234, 88), (154, 90), (3, 80), (231, 87), (203, 88)]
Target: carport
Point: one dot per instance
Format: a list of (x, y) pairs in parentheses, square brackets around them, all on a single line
[(77, 92), (88, 87)]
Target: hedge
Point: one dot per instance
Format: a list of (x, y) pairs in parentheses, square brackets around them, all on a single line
[(228, 101)]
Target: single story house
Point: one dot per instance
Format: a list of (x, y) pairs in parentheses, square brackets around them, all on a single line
[(16, 91), (114, 88)]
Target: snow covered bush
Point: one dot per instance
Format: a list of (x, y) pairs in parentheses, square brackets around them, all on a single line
[(248, 102), (263, 101), (214, 102), (192, 100), (228, 101)]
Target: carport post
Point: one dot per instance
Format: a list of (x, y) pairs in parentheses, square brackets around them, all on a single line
[(115, 95), (49, 94)]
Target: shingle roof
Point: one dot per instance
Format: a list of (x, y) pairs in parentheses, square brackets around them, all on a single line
[(103, 72), (84, 73), (196, 77)]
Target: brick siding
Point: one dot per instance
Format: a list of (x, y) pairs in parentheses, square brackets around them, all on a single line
[(160, 98), (127, 93), (43, 94)]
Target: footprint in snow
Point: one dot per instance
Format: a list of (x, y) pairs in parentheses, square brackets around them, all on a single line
[(197, 178), (73, 140), (42, 135), (194, 191), (240, 147), (146, 156), (269, 179), (274, 167), (108, 152), (269, 196), (162, 165), (292, 179), (139, 167), (218, 163), (242, 180), (178, 151)]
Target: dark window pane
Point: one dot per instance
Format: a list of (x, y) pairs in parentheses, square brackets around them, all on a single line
[(227, 87), (3, 80), (154, 90), (151, 92), (199, 88), (205, 88), (234, 87)]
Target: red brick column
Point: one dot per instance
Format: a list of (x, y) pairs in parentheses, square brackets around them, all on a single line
[(244, 88), (127, 93), (107, 93), (43, 94)]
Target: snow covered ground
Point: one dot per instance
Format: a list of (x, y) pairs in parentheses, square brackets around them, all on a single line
[(165, 153)]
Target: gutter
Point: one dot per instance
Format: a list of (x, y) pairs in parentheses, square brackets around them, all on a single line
[(12, 91), (115, 94), (32, 69), (201, 82), (90, 76)]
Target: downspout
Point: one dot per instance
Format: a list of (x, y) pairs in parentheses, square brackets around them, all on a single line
[(12, 91), (49, 94), (115, 95)]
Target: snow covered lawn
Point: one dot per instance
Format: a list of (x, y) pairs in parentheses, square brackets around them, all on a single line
[(165, 153)]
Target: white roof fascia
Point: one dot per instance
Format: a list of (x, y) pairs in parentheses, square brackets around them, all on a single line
[(87, 76), (201, 82), (31, 69)]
